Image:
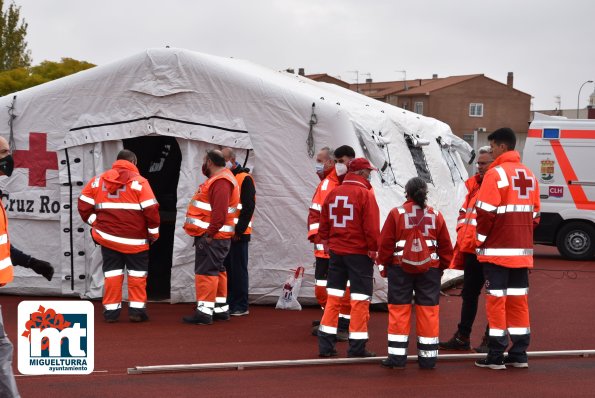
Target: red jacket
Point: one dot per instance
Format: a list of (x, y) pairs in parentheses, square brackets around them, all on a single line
[(507, 211), (395, 233), (466, 223), (330, 182), (120, 206), (350, 219)]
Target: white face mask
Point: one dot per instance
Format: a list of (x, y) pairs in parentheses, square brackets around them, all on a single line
[(229, 165), (341, 169)]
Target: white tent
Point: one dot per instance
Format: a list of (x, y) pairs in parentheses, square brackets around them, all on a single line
[(71, 129)]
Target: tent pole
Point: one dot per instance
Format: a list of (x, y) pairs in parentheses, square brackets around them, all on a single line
[(335, 361)]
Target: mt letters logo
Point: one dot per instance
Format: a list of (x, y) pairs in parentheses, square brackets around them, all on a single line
[(56, 337)]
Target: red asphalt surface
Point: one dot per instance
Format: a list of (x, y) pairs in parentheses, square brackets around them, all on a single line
[(562, 318)]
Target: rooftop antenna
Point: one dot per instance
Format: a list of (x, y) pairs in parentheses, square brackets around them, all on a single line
[(404, 72), (356, 79)]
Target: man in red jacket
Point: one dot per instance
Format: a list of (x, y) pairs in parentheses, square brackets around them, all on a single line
[(349, 230), (124, 215), (507, 211), (466, 259)]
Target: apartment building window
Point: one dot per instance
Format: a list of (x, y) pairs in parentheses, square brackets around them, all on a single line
[(475, 110), (419, 108)]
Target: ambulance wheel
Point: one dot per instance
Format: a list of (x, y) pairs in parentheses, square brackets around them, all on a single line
[(575, 241)]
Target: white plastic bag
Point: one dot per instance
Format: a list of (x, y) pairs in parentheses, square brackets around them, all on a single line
[(291, 291)]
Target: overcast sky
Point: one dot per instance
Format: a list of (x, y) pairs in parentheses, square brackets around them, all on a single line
[(549, 45)]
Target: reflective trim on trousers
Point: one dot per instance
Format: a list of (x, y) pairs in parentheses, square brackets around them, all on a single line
[(514, 209), (397, 351), (516, 291), (137, 274), (87, 199), (335, 292), (205, 225), (314, 226), (148, 203), (221, 309), (112, 307), (206, 307), (5, 263), (136, 304), (427, 353), (485, 206), (496, 293), (320, 282), (504, 252), (358, 335), (220, 300), (153, 231), (398, 338), (327, 329), (345, 316), (112, 273), (519, 331), (118, 205), (316, 206), (497, 332), (427, 340), (124, 241), (360, 297)]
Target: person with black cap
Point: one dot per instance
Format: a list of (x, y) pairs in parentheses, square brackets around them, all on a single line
[(349, 230)]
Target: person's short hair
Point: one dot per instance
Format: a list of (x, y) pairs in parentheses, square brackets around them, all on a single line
[(344, 150), (216, 157), (232, 153), (330, 151), (485, 149), (126, 154), (505, 136)]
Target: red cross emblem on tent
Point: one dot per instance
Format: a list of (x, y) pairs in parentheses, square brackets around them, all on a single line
[(37, 159), (419, 218), (522, 183), (340, 213)]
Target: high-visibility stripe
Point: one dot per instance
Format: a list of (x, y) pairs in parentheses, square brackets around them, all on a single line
[(239, 206), (3, 239), (514, 209), (427, 340), (469, 221), (136, 186), (153, 231), (401, 210), (497, 332), (5, 263), (360, 297), (314, 226), (220, 300), (321, 282), (316, 206), (398, 338), (427, 353), (536, 214), (208, 304), (112, 273), (481, 238), (503, 182), (345, 316), (519, 331), (236, 221), (207, 206), (335, 292), (118, 205), (485, 206), (397, 351), (124, 241), (516, 291), (433, 256), (205, 310), (496, 292), (91, 219), (112, 307), (324, 185), (348, 283), (400, 244), (327, 329), (136, 304), (219, 309), (87, 199), (148, 203), (358, 335), (504, 252), (205, 225), (319, 246), (95, 183), (462, 210), (137, 274)]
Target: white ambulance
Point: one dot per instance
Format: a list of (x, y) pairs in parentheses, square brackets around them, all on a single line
[(561, 153)]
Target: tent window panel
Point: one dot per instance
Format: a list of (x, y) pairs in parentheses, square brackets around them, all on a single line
[(419, 160)]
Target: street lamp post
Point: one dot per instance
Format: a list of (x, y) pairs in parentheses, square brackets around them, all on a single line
[(578, 101)]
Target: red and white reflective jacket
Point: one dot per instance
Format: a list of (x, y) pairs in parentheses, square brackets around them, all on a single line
[(120, 206), (6, 271), (398, 227), (350, 218), (330, 182), (507, 211), (467, 223)]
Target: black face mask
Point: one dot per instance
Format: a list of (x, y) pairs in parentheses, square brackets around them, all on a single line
[(7, 165)]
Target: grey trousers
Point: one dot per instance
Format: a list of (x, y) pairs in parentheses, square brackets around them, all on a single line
[(8, 385)]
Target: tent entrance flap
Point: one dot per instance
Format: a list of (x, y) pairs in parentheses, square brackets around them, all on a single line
[(159, 159)]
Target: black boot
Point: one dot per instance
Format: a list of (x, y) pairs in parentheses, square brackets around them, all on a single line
[(326, 345), (458, 342), (199, 318), (357, 349)]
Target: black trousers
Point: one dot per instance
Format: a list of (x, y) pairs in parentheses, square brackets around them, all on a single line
[(473, 281), (236, 264)]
